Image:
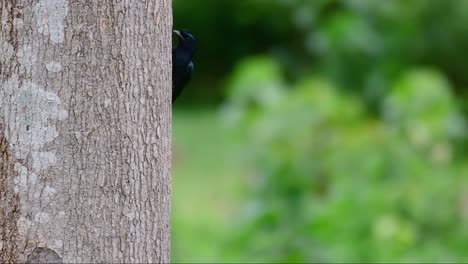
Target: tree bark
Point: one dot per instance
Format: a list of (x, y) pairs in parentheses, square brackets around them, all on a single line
[(85, 130)]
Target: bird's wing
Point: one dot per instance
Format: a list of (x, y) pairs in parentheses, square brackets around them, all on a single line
[(189, 70), (190, 67)]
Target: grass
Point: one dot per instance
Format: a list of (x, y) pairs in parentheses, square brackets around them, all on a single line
[(207, 182)]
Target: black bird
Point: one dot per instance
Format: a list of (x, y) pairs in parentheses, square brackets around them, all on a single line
[(182, 65)]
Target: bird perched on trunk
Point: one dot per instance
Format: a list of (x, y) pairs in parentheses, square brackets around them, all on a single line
[(182, 65)]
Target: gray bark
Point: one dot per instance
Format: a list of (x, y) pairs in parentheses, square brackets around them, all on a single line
[(85, 130)]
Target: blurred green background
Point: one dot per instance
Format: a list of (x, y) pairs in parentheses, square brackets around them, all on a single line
[(323, 131)]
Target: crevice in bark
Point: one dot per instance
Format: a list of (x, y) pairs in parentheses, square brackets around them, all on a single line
[(9, 215), (12, 14)]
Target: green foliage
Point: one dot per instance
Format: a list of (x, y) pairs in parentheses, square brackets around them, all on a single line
[(348, 119), (335, 184)]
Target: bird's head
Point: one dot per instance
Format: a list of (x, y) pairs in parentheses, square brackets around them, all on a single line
[(186, 39)]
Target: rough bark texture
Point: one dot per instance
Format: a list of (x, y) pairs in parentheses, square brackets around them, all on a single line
[(85, 135)]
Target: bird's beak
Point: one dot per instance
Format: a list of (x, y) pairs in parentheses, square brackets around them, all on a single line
[(177, 32)]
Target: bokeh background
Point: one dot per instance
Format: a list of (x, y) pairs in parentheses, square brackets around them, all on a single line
[(323, 131)]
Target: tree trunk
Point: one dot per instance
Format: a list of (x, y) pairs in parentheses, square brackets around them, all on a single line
[(85, 130)]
